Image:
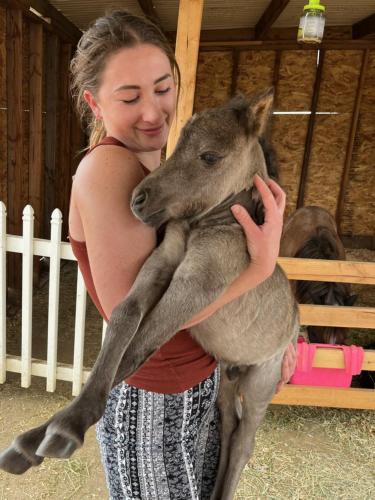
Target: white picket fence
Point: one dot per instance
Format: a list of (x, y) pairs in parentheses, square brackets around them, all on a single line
[(55, 250)]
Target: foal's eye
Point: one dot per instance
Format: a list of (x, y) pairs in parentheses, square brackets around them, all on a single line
[(210, 158)]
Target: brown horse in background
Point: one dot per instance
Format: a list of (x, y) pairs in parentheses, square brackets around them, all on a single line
[(311, 233)]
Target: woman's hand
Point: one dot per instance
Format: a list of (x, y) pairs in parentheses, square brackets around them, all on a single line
[(263, 242)]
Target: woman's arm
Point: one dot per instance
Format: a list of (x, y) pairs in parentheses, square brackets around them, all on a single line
[(263, 244)]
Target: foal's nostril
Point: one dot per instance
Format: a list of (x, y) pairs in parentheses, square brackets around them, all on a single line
[(139, 200)]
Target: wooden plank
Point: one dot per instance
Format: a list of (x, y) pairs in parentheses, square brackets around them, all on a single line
[(328, 270), (149, 10), (350, 145), (51, 102), (364, 27), (269, 16), (15, 169), (63, 169), (288, 45), (337, 33), (334, 358), (3, 109), (334, 397), (310, 131), (15, 119), (187, 46), (48, 15), (349, 317), (36, 121)]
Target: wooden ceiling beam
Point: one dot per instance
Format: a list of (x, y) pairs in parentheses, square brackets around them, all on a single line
[(269, 16), (248, 34), (149, 10), (364, 27), (48, 12)]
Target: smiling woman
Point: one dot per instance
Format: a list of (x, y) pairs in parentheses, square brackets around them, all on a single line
[(125, 81)]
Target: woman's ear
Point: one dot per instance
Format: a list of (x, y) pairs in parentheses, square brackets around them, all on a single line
[(91, 101)]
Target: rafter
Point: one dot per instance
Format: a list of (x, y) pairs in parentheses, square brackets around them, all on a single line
[(269, 16), (149, 10), (364, 27), (48, 11)]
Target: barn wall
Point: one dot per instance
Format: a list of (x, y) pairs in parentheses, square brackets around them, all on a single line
[(40, 136), (293, 74)]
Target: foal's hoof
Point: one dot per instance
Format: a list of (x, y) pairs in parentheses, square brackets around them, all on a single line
[(57, 446), (16, 462)]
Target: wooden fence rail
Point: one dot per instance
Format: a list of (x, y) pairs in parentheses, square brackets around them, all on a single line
[(56, 250)]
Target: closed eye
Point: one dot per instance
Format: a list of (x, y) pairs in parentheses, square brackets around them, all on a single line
[(163, 91)]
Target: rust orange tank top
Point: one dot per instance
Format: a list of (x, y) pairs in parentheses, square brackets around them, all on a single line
[(179, 364)]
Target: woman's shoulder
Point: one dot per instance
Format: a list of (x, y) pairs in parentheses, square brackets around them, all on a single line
[(108, 165)]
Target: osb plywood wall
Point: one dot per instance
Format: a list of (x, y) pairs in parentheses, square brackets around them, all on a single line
[(293, 73)]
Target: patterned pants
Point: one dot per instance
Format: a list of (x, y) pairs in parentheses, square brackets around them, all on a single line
[(161, 446)]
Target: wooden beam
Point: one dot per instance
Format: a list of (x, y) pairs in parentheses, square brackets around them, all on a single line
[(310, 131), (342, 271), (350, 145), (337, 33), (187, 47), (36, 126), (341, 316), (49, 13), (334, 397), (334, 358), (149, 10), (364, 27), (288, 45), (269, 16)]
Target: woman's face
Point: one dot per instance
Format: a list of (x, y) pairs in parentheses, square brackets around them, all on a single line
[(137, 97)]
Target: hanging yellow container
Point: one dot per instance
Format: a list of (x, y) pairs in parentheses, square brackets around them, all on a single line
[(311, 25)]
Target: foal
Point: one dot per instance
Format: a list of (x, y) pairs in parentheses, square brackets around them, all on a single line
[(203, 251)]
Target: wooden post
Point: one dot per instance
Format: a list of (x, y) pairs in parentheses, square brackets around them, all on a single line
[(36, 125), (15, 136), (310, 131), (187, 48), (350, 145), (3, 109), (51, 67), (63, 179)]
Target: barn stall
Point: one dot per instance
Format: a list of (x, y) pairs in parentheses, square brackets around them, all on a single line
[(323, 131)]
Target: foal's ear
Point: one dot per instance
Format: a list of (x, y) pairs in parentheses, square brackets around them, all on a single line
[(261, 107)]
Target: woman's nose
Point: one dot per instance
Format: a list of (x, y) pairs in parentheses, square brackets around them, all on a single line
[(151, 111)]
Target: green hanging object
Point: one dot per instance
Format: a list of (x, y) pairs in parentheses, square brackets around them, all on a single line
[(311, 24)]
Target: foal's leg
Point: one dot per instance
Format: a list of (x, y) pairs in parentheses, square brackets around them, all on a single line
[(87, 408), (257, 386), (188, 293), (228, 423)]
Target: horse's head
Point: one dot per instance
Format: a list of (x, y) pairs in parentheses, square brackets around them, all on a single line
[(217, 155), (329, 294)]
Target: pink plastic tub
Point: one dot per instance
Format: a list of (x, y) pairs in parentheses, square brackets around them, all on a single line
[(306, 374)]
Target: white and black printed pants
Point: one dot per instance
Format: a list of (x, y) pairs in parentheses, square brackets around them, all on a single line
[(161, 446)]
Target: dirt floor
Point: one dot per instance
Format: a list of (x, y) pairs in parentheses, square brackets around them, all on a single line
[(301, 453)]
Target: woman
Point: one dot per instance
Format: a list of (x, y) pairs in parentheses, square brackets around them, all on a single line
[(159, 434)]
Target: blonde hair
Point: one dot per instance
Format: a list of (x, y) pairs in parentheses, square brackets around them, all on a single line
[(109, 34)]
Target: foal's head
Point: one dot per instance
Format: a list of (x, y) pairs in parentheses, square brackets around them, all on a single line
[(217, 155)]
